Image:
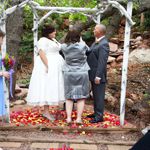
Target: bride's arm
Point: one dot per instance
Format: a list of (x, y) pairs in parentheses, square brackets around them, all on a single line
[(43, 58)]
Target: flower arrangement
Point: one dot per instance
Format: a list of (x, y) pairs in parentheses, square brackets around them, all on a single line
[(8, 62)]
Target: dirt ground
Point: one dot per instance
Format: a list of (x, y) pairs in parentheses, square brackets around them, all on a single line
[(138, 90)]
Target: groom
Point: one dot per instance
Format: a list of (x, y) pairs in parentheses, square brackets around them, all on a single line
[(97, 60)]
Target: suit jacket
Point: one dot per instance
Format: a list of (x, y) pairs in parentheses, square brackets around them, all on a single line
[(97, 59)]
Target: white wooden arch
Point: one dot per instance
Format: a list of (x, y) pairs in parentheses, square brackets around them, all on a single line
[(98, 10)]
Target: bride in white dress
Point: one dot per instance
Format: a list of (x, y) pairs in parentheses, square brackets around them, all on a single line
[(47, 84)]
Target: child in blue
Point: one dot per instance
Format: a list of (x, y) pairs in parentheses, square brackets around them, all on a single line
[(4, 102)]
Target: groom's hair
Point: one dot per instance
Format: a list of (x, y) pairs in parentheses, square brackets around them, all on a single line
[(2, 34), (102, 28)]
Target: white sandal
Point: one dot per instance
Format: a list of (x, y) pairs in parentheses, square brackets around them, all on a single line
[(50, 117)]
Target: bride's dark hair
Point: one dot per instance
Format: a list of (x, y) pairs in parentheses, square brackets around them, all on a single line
[(47, 29)]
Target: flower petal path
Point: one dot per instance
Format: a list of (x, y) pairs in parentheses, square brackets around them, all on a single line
[(31, 117)]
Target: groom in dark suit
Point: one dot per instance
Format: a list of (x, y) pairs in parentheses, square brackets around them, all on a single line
[(97, 60)]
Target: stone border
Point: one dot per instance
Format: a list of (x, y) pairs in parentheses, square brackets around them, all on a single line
[(46, 140), (67, 129)]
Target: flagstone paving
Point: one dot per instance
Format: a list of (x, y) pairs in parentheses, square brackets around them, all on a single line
[(116, 147), (55, 146), (9, 142)]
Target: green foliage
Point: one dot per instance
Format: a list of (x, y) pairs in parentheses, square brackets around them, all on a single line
[(26, 46), (27, 38), (28, 18), (24, 81), (55, 19), (81, 3), (136, 4), (147, 97), (3, 6), (146, 23), (77, 17), (87, 35), (105, 21), (147, 20)]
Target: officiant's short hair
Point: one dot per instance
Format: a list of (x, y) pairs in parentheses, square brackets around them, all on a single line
[(73, 36)]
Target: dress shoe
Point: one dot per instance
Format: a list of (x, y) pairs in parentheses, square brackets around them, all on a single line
[(96, 120), (90, 116)]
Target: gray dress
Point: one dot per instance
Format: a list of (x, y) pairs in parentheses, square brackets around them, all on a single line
[(76, 79)]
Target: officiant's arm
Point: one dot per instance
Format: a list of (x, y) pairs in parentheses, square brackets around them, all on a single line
[(89, 50), (43, 58)]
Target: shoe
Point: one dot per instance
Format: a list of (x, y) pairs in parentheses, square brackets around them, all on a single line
[(50, 117), (90, 116), (96, 120), (78, 122), (68, 120)]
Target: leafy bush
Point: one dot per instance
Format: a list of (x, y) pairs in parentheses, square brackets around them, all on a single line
[(147, 20)]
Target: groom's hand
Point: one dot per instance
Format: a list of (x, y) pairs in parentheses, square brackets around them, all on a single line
[(97, 80)]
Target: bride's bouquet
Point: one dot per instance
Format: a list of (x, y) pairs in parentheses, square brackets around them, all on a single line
[(8, 63)]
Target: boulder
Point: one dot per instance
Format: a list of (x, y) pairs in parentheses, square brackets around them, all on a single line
[(114, 40), (133, 96), (111, 59), (22, 94), (139, 56), (19, 102), (112, 101), (129, 102), (119, 58), (113, 64), (139, 38), (17, 89), (146, 34), (113, 47)]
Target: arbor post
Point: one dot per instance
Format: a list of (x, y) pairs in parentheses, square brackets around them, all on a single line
[(125, 63), (3, 47), (3, 26), (35, 34)]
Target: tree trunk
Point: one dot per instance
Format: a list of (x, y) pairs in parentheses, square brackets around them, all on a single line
[(14, 30), (142, 19)]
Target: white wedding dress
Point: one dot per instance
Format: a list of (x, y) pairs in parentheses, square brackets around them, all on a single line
[(47, 88)]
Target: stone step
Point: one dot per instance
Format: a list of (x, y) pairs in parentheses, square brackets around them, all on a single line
[(110, 130), (8, 142), (118, 147), (46, 146)]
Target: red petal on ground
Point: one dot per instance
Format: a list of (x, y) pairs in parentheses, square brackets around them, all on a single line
[(33, 117)]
